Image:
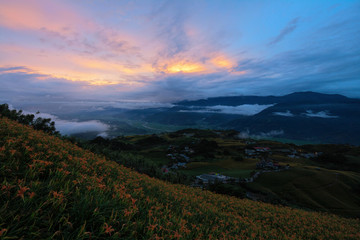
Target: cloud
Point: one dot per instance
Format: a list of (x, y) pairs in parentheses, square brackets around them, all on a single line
[(245, 109), (284, 114), (63, 40), (138, 105), (39, 14), (165, 51), (103, 135), (290, 27), (169, 20), (69, 127), (23, 83), (321, 114), (66, 127), (327, 69)]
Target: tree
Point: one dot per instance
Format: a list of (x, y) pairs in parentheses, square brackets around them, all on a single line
[(43, 124)]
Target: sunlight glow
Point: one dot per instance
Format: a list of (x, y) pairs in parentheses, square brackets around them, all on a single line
[(222, 62), (185, 67)]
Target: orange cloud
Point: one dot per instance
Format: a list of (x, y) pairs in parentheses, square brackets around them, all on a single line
[(214, 62), (93, 64), (18, 70), (71, 66), (185, 67), (193, 66), (222, 62)]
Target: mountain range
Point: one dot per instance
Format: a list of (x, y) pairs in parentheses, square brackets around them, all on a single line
[(308, 116), (300, 117)]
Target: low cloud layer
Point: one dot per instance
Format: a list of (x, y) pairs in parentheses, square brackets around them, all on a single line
[(66, 127), (321, 114), (284, 114), (139, 105), (245, 109)]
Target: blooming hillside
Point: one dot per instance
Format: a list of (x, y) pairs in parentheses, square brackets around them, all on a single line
[(51, 188)]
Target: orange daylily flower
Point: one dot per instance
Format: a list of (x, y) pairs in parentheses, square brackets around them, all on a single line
[(108, 229), (21, 192), (2, 231)]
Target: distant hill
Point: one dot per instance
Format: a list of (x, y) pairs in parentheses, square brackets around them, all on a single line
[(51, 188), (302, 116), (297, 97), (309, 116)]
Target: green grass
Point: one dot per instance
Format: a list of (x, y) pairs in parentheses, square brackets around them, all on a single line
[(294, 141), (315, 188), (227, 167), (286, 185)]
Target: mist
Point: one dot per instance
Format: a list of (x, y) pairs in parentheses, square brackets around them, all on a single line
[(245, 109), (66, 127)]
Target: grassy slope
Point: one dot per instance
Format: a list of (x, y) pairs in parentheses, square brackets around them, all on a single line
[(302, 186), (52, 188), (316, 188)]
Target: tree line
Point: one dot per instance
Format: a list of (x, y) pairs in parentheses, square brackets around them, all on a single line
[(43, 124)]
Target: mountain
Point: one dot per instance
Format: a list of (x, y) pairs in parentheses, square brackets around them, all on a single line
[(309, 116), (297, 97), (51, 188), (305, 116)]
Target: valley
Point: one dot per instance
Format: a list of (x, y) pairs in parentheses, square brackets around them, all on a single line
[(317, 177)]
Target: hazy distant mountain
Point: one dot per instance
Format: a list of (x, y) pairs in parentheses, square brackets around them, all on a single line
[(297, 97), (310, 116), (302, 115)]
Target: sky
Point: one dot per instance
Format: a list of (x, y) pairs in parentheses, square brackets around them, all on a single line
[(157, 51)]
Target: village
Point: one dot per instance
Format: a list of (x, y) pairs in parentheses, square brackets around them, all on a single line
[(179, 158)]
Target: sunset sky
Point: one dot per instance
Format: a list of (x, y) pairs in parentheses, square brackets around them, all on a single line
[(164, 51)]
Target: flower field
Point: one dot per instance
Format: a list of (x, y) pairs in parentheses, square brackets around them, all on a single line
[(50, 188)]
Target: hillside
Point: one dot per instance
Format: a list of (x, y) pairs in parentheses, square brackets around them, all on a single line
[(318, 177), (51, 188)]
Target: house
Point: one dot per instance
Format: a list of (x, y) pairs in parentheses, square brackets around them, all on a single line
[(262, 149), (178, 165), (172, 156), (181, 164), (174, 166), (212, 178), (284, 150), (308, 155), (250, 152), (164, 169), (256, 150), (188, 150), (267, 164), (293, 156), (185, 157)]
